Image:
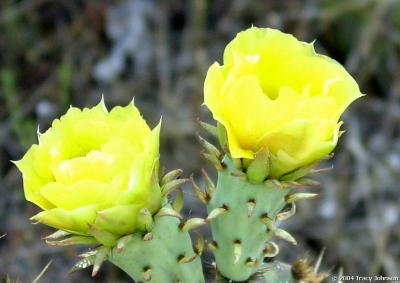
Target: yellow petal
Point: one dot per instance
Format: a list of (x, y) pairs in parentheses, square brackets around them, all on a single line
[(120, 219), (75, 221), (321, 76), (266, 49), (32, 180), (127, 123), (244, 108), (79, 194), (301, 143)]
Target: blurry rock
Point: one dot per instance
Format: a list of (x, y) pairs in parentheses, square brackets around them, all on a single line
[(128, 29)]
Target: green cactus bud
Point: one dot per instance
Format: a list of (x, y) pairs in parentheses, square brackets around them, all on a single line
[(222, 136), (258, 169), (145, 220), (210, 148), (212, 130), (170, 176)]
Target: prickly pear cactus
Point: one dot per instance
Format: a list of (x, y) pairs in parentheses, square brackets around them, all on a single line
[(163, 255), (242, 234)]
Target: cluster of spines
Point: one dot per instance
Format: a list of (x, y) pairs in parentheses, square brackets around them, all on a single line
[(302, 270)]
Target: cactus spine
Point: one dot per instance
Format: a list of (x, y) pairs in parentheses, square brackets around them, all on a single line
[(300, 271)]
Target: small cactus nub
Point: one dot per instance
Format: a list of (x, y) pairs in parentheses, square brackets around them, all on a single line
[(237, 250), (147, 273)]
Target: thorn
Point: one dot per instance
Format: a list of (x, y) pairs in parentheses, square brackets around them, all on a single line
[(169, 187), (192, 223), (199, 247), (284, 235), (237, 251), (83, 263), (214, 160), (177, 204), (87, 254), (147, 273), (210, 148), (287, 214), (299, 196), (252, 263), (340, 275), (100, 257), (37, 278), (273, 183), (186, 259), (212, 130), (329, 156), (292, 185), (298, 173), (202, 196), (56, 235), (217, 212), (210, 187), (309, 182), (319, 260), (213, 246), (271, 249), (267, 221), (167, 211), (122, 242), (251, 204), (170, 176), (214, 265), (240, 175), (321, 170), (148, 236), (73, 240)]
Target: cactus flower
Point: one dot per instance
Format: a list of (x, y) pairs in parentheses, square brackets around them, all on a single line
[(275, 93), (93, 171)]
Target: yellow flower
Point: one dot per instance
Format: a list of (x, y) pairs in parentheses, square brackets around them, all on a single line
[(275, 92), (93, 170)]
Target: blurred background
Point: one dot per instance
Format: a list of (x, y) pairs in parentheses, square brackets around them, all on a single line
[(69, 52)]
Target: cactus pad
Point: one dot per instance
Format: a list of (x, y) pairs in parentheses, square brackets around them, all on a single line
[(163, 255), (241, 234)]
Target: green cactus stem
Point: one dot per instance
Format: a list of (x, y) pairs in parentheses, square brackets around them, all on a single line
[(243, 233), (165, 254)]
